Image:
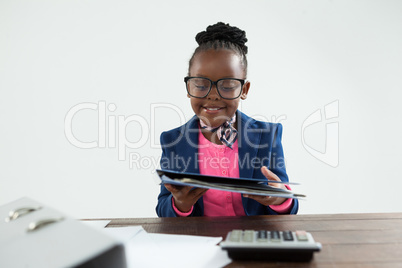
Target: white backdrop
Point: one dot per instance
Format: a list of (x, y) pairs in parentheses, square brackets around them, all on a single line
[(329, 71)]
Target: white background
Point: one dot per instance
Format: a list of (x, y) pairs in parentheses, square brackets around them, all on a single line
[(303, 55)]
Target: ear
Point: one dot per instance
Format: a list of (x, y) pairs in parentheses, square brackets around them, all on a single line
[(188, 96), (246, 88)]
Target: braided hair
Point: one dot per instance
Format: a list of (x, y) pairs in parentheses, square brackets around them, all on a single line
[(222, 36)]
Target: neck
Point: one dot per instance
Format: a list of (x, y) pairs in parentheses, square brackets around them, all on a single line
[(211, 136)]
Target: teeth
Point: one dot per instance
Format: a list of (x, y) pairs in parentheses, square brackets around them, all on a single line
[(212, 109)]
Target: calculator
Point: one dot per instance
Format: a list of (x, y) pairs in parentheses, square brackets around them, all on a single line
[(270, 245)]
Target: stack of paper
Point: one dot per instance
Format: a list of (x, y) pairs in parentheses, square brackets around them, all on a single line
[(144, 249), (240, 185)]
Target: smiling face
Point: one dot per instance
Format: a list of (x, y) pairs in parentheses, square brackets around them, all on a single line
[(217, 64)]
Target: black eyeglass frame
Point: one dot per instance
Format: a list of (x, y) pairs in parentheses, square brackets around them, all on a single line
[(242, 82)]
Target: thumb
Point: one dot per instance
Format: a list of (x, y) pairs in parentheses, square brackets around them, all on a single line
[(270, 176)]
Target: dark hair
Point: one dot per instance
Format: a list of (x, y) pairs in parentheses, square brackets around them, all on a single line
[(222, 36)]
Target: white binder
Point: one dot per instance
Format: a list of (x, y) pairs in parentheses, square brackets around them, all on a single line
[(34, 235)]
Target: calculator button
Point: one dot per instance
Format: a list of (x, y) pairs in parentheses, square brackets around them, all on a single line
[(301, 236), (287, 236), (235, 235), (248, 236), (275, 236), (262, 235)]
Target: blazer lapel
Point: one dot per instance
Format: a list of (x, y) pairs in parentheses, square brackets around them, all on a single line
[(248, 141), (188, 146)]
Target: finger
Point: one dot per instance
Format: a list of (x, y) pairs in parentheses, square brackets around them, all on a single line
[(198, 192), (170, 188), (270, 176), (187, 189), (173, 186), (184, 191), (257, 197), (265, 200)]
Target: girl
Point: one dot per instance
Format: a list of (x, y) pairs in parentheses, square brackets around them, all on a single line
[(219, 139)]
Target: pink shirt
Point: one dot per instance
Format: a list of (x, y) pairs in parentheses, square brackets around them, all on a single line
[(220, 160)]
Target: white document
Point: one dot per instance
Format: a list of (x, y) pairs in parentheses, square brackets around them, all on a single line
[(124, 234), (163, 250), (191, 251), (97, 224)]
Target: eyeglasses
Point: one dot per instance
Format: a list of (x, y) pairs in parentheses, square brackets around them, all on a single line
[(200, 87)]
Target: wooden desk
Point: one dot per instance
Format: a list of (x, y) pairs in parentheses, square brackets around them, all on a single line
[(348, 240)]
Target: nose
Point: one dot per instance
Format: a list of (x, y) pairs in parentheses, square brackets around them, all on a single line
[(213, 94)]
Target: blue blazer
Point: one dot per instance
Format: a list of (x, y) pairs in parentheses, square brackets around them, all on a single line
[(259, 145)]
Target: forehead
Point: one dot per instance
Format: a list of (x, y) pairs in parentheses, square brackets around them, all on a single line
[(216, 64)]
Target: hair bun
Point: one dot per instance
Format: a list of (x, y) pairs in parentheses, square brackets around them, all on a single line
[(223, 32)]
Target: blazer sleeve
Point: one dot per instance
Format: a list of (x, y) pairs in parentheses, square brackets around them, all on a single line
[(277, 165), (164, 207)]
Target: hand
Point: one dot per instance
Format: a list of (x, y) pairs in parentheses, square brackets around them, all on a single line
[(269, 200), (185, 196)]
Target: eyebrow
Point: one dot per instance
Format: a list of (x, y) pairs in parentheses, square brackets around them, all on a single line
[(200, 75)]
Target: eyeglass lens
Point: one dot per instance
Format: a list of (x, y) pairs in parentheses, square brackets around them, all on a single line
[(228, 88)]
